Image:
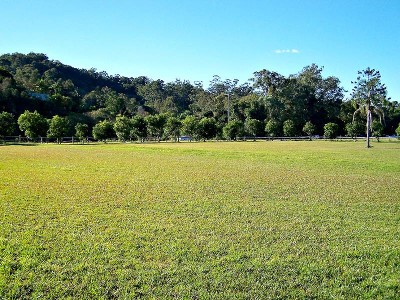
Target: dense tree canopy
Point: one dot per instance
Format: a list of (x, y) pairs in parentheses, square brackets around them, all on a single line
[(269, 104)]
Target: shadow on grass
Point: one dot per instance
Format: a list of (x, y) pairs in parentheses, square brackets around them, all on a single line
[(18, 144), (38, 144), (86, 144)]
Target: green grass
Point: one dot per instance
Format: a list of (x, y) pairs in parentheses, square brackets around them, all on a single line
[(245, 220)]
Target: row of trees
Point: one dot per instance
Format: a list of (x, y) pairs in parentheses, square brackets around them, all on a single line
[(268, 104), (164, 126)]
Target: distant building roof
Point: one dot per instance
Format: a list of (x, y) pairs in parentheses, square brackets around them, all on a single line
[(43, 97)]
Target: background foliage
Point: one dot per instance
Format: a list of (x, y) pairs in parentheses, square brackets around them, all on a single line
[(282, 104)]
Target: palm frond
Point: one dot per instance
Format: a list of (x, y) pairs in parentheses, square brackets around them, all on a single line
[(356, 111)]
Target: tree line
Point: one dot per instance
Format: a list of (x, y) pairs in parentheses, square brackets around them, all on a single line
[(47, 98)]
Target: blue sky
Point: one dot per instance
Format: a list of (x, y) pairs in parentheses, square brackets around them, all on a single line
[(195, 40)]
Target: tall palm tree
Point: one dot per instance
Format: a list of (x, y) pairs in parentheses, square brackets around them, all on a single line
[(368, 94)]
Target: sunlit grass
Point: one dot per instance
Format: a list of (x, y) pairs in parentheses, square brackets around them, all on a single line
[(200, 220)]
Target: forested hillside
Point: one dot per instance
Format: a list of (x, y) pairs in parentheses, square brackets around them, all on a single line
[(268, 105)]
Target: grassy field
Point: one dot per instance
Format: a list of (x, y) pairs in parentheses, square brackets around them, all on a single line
[(245, 220)]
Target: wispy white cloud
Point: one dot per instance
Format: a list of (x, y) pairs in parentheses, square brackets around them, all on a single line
[(280, 51)]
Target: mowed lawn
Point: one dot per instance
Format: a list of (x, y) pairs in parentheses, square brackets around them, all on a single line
[(226, 220)]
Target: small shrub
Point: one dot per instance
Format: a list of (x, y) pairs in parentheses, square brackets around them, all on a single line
[(377, 129), (309, 128), (331, 130), (272, 128), (103, 131), (289, 128)]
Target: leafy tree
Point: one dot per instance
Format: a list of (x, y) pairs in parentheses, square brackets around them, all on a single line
[(155, 125), (219, 133), (304, 96), (58, 127), (250, 107), (173, 128), (10, 93), (377, 129), (180, 94), (347, 111), (369, 94), (114, 103), (92, 100), (289, 128), (207, 128), (139, 127), (398, 131), (271, 86), (354, 129), (203, 104), (392, 115), (272, 128), (350, 130), (7, 124), (254, 127), (103, 130), (99, 115), (190, 126), (27, 76), (168, 106), (233, 129), (81, 131), (33, 124), (118, 103), (331, 130), (294, 98), (219, 87), (153, 93), (322, 96), (309, 128), (64, 95), (123, 128), (274, 108), (268, 81), (75, 118)]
